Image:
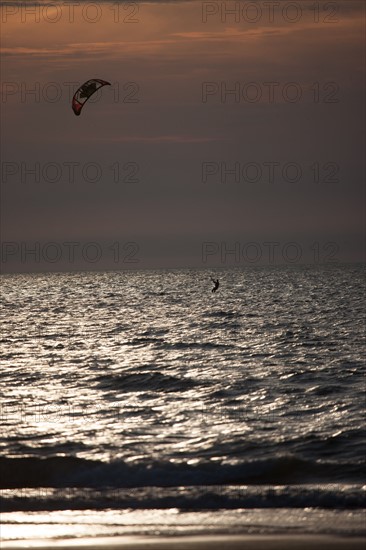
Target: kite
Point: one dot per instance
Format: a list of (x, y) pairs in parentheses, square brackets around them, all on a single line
[(85, 91)]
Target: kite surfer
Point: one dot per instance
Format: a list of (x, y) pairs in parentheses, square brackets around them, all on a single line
[(216, 283)]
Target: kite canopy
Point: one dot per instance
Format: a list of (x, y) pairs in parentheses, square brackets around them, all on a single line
[(85, 91)]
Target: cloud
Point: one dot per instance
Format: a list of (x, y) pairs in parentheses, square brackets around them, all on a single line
[(90, 48), (64, 2), (159, 139)]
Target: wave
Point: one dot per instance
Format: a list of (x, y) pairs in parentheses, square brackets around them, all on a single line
[(186, 498), (163, 344), (70, 471), (144, 381), (195, 345), (145, 340), (223, 314)]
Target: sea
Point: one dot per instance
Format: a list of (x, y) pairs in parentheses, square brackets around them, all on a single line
[(142, 403)]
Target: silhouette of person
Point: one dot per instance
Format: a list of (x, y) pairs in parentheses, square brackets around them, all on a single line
[(216, 283)]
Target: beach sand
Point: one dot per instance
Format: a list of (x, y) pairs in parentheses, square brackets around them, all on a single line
[(245, 542)]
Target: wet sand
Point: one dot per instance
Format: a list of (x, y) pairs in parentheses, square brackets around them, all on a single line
[(245, 542)]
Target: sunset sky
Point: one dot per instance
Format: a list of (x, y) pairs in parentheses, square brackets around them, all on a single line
[(157, 124)]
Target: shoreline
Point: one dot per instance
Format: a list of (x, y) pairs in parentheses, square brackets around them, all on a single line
[(209, 542)]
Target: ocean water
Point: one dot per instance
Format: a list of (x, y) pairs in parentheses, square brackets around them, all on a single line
[(142, 403)]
